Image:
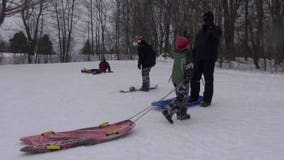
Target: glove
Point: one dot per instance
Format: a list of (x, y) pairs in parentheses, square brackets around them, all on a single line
[(189, 66), (139, 66), (189, 71)]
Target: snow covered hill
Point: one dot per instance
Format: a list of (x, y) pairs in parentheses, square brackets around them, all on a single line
[(245, 121)]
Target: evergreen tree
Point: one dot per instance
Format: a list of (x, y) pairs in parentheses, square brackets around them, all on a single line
[(45, 46), (87, 49), (18, 44)]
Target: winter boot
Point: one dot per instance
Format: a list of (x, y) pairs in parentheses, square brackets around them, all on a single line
[(132, 89), (205, 104), (182, 115), (168, 113), (144, 88)]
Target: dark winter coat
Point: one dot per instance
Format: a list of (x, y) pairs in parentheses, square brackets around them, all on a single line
[(206, 44), (146, 55)]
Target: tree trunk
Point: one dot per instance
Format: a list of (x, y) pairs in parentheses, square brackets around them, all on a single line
[(65, 21), (228, 29), (259, 34), (3, 11)]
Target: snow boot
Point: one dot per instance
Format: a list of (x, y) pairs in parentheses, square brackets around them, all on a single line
[(144, 88), (168, 113), (205, 104), (132, 89), (182, 115)]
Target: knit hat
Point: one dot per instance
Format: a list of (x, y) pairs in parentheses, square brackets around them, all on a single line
[(208, 17), (181, 43), (137, 38)]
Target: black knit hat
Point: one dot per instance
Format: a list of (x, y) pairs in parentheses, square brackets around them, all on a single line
[(208, 17)]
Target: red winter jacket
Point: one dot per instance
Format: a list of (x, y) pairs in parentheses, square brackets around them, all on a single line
[(104, 65)]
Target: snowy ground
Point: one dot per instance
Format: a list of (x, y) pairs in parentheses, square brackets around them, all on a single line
[(245, 121)]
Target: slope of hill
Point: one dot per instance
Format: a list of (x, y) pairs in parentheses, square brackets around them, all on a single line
[(244, 122)]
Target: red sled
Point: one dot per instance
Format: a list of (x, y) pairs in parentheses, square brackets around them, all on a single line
[(55, 141)]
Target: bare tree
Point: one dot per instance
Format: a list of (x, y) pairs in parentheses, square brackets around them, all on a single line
[(11, 7), (3, 11), (126, 21), (101, 17), (230, 8), (245, 43), (31, 21), (276, 8), (254, 30), (91, 22), (92, 25), (64, 11), (259, 50), (117, 26)]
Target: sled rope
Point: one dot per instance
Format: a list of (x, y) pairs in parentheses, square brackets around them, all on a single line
[(146, 110)]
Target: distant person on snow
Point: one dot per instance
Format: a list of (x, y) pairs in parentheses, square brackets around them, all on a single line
[(146, 60), (204, 56), (181, 74), (103, 67)]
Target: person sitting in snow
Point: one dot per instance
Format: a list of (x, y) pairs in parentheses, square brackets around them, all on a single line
[(103, 67), (181, 74), (146, 60)]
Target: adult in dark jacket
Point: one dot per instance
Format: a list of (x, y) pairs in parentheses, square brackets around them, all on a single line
[(205, 53), (146, 60)]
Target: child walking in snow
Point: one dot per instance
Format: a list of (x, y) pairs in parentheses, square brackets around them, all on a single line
[(146, 60), (181, 74)]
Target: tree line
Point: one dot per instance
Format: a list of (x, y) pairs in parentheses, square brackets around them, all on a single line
[(251, 28)]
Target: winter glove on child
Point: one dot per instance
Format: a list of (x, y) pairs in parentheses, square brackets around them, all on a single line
[(189, 71)]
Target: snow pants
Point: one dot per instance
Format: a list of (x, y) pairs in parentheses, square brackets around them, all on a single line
[(179, 103), (205, 68), (145, 78)]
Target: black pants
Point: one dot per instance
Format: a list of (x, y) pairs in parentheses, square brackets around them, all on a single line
[(205, 68), (96, 71), (93, 71)]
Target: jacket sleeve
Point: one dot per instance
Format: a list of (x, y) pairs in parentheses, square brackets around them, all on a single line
[(189, 56), (140, 56), (217, 33), (189, 65)]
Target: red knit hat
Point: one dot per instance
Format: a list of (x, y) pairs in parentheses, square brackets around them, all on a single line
[(181, 43)]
